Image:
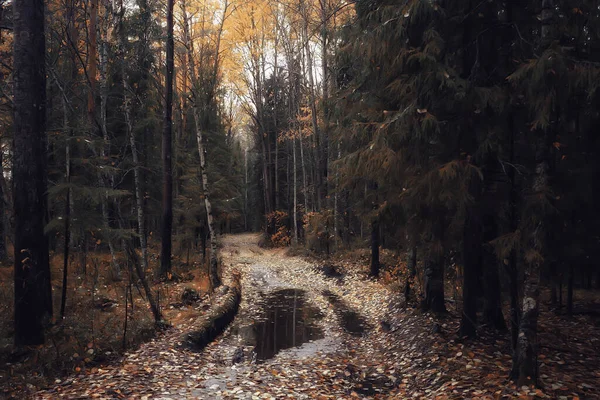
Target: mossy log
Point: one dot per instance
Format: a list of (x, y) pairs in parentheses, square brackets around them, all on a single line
[(218, 317)]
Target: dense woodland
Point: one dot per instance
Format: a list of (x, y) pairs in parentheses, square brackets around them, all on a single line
[(457, 134)]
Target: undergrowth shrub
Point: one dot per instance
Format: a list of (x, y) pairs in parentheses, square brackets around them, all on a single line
[(277, 229)]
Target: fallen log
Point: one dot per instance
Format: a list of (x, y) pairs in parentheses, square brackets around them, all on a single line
[(218, 317)]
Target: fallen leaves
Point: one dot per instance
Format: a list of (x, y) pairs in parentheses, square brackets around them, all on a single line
[(406, 361)]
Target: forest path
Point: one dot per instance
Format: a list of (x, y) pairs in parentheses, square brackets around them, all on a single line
[(298, 334)]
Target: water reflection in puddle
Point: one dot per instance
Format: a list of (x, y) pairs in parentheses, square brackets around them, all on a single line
[(288, 322)]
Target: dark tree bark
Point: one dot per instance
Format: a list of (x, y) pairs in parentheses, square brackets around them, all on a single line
[(167, 150), (492, 311), (526, 368), (492, 295), (472, 256), (3, 252), (33, 293), (570, 290), (433, 270), (411, 265), (434, 284), (67, 225), (375, 248)]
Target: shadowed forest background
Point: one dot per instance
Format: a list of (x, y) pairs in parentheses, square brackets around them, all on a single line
[(454, 143)]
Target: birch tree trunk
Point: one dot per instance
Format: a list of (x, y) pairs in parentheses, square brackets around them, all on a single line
[(215, 280)]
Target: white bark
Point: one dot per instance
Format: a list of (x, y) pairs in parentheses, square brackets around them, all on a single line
[(213, 272)]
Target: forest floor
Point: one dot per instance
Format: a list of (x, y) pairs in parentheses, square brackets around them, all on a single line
[(305, 330)]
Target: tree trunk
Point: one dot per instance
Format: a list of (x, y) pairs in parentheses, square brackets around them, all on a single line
[(167, 150), (246, 190), (33, 293), (215, 280), (295, 210), (303, 165), (492, 312), (135, 262), (3, 210), (105, 180), (434, 271), (526, 369), (313, 110), (67, 225), (324, 150), (275, 90), (472, 254), (374, 248), (223, 311), (411, 266), (434, 284), (570, 282), (139, 196), (92, 63)]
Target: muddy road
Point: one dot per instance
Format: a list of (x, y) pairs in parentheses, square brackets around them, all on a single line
[(301, 332)]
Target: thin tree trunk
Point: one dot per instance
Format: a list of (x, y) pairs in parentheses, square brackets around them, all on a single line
[(215, 280), (245, 190), (492, 312), (92, 64), (434, 272), (133, 259), (139, 197), (472, 257), (33, 293), (570, 282), (107, 180), (411, 265), (303, 165), (295, 235), (324, 156), (167, 151), (313, 110), (275, 89), (374, 248), (434, 285), (67, 225), (3, 219)]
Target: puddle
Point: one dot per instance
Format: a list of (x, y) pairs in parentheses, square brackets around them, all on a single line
[(288, 322), (352, 322)]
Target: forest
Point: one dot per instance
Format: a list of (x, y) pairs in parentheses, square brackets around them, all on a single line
[(299, 199)]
